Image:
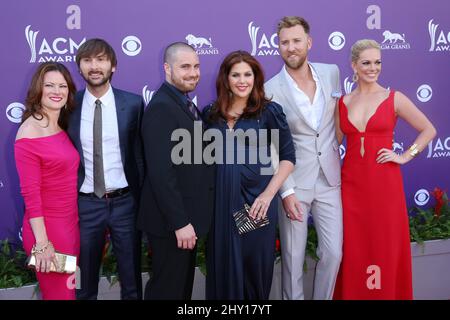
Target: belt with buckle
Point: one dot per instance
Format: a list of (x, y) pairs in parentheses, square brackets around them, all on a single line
[(108, 195)]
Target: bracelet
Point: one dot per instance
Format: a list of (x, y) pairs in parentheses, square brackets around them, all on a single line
[(413, 150), (41, 250)]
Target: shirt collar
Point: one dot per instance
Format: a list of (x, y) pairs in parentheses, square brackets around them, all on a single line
[(107, 99), (292, 81), (182, 95)]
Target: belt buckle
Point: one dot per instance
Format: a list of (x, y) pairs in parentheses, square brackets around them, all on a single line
[(113, 194), (108, 194)]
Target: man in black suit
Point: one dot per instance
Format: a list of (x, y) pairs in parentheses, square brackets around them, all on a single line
[(177, 198), (105, 129)]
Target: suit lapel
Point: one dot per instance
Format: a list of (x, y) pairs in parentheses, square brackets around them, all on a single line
[(122, 118), (326, 91), (75, 124), (286, 90), (178, 101)]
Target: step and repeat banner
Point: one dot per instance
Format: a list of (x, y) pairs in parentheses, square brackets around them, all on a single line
[(414, 35)]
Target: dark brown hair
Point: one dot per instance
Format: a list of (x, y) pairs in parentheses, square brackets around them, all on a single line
[(257, 99), (292, 21), (33, 106), (94, 47)]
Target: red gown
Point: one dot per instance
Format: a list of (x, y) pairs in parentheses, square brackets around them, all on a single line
[(47, 168), (376, 261)]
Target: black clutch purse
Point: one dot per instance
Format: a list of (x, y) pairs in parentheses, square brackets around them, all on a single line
[(245, 223)]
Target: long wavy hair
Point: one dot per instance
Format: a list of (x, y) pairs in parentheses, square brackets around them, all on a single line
[(257, 99), (33, 107)]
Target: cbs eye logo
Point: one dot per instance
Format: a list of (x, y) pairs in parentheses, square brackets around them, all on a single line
[(14, 112), (421, 197), (131, 46), (336, 40), (424, 93)]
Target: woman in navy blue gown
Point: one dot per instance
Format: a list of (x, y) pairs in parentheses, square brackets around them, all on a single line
[(241, 266)]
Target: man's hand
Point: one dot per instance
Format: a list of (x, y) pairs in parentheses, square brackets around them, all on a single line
[(186, 237), (292, 207)]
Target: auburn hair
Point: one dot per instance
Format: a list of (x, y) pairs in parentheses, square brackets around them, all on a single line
[(33, 107), (257, 99)]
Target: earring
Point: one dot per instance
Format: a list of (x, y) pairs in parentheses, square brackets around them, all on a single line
[(355, 77), (65, 107)]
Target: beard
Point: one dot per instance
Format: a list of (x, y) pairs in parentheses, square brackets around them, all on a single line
[(182, 85), (98, 82), (295, 64)]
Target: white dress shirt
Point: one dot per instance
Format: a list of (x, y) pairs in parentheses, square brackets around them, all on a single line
[(112, 160), (312, 112)]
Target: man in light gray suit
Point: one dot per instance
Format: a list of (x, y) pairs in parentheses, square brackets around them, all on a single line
[(308, 93)]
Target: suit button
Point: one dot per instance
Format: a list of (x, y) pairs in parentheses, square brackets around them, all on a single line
[(317, 135), (320, 153)]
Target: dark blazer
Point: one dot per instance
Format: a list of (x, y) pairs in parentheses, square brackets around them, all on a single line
[(129, 109), (173, 195)]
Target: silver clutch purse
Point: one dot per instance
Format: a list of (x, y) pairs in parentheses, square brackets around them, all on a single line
[(66, 263), (245, 223)]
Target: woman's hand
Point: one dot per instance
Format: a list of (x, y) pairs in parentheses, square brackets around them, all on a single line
[(45, 256), (386, 155), (260, 206)]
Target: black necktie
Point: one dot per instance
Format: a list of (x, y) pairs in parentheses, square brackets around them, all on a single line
[(99, 178), (193, 109)]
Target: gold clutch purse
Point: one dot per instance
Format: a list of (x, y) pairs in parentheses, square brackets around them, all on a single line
[(66, 263), (245, 223)]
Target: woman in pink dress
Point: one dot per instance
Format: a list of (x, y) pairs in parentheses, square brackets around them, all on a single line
[(47, 164)]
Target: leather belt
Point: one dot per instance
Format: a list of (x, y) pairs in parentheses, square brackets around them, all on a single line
[(108, 195)]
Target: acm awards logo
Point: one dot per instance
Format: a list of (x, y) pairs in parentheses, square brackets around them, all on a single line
[(439, 39), (59, 49), (262, 45), (147, 95), (394, 41), (348, 85), (439, 149), (202, 45)]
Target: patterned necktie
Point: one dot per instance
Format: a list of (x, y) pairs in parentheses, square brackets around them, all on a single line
[(99, 178), (193, 108)]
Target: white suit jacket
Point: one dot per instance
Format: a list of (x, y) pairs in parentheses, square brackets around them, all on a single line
[(314, 149)]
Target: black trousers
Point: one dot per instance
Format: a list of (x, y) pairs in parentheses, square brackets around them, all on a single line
[(119, 216), (173, 270)]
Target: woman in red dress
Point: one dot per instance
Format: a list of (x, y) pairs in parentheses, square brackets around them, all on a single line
[(47, 164), (376, 260)]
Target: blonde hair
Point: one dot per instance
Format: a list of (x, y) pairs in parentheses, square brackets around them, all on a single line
[(361, 45), (292, 21)]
